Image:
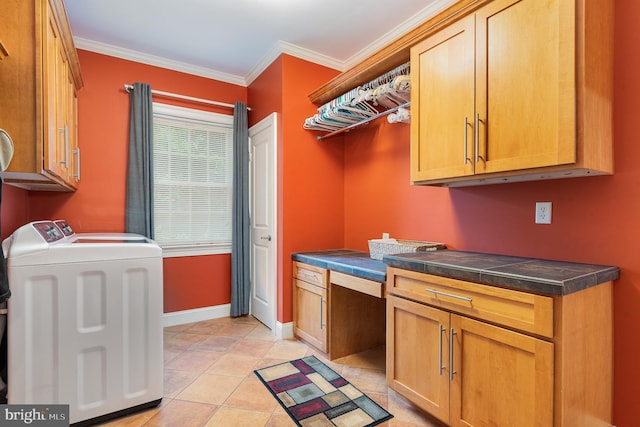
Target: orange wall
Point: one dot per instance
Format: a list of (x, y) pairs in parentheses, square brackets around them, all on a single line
[(98, 204), (595, 219), (15, 209), (310, 173)]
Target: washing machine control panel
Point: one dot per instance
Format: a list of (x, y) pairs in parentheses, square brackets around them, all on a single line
[(64, 227), (48, 231)]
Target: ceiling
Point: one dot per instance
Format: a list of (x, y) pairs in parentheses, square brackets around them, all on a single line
[(234, 40)]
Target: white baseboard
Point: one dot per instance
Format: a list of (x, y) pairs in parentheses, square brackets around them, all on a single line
[(284, 330), (196, 315)]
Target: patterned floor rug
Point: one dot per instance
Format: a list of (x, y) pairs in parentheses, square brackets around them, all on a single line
[(316, 396)]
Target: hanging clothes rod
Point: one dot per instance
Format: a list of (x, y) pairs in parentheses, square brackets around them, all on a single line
[(129, 88), (355, 125)]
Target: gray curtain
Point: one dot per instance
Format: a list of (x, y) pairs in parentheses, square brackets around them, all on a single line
[(139, 191), (240, 283)]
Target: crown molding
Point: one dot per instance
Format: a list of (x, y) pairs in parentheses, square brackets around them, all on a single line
[(399, 31), (278, 49), (299, 52), (135, 56)]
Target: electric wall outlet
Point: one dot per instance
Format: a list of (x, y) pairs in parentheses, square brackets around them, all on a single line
[(385, 235), (543, 212)]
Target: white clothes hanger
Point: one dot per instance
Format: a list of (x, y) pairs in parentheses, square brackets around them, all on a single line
[(6, 150)]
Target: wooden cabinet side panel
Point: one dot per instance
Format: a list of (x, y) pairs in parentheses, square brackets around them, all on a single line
[(595, 50), (501, 377), (584, 358)]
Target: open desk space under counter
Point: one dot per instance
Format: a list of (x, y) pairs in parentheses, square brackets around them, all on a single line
[(339, 301)]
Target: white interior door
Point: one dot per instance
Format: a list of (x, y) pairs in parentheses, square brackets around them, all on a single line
[(262, 160)]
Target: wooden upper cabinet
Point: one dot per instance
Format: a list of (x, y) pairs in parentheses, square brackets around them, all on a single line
[(39, 83), (442, 103), (516, 90)]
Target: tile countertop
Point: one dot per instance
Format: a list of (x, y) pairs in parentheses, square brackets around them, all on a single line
[(346, 261), (528, 274)]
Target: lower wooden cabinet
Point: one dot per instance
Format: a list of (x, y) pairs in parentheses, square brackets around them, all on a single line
[(447, 354), (310, 300), (418, 353), (311, 314), (339, 314), (466, 372)]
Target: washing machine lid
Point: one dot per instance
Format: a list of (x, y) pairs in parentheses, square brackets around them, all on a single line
[(43, 243)]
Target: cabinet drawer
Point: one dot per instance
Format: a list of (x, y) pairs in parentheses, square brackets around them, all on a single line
[(310, 273), (520, 310)]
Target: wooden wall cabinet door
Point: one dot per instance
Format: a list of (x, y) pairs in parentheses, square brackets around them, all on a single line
[(39, 103), (442, 103), (502, 94), (525, 72)]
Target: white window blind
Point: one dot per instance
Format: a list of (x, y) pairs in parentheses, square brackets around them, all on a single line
[(192, 165)]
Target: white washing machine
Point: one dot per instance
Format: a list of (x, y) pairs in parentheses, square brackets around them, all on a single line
[(84, 321)]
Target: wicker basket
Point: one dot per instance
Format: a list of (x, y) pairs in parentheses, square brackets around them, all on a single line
[(380, 247)]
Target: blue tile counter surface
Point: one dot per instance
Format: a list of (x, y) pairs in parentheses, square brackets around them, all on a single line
[(346, 261), (528, 274)]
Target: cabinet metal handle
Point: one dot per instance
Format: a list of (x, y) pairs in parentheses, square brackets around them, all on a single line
[(65, 131), (477, 135), (448, 295), (77, 153), (306, 273), (452, 332), (66, 144), (321, 324), (267, 238), (442, 329), (466, 123)]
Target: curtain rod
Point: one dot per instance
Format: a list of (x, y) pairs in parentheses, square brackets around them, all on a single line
[(129, 88)]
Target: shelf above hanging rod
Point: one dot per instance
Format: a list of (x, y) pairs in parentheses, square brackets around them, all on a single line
[(355, 125)]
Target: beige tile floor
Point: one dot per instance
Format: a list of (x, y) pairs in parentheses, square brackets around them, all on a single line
[(209, 379)]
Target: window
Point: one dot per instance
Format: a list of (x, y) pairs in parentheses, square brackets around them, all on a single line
[(192, 172)]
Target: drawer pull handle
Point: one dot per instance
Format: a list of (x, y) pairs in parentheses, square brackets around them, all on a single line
[(307, 274), (448, 295)]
